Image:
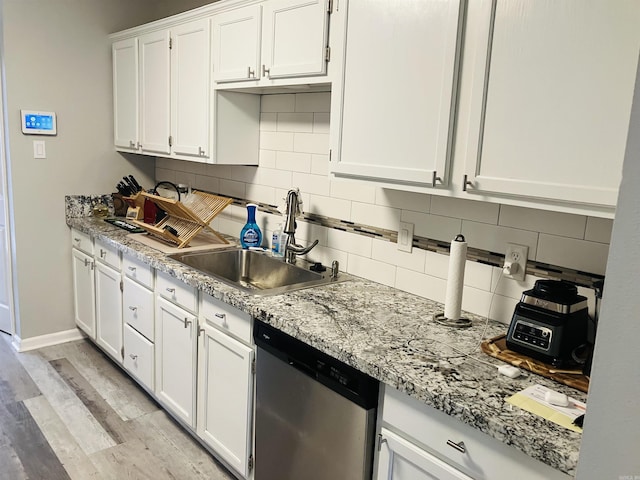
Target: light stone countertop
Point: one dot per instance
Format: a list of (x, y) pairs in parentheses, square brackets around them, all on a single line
[(390, 335)]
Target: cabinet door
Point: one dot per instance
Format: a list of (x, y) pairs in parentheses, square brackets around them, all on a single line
[(190, 60), (552, 90), (225, 397), (397, 109), (236, 45), (175, 347), (84, 292), (399, 459), (138, 307), (154, 92), (295, 37), (125, 93), (109, 310), (138, 356)]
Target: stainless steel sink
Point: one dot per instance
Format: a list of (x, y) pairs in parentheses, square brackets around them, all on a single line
[(253, 271)]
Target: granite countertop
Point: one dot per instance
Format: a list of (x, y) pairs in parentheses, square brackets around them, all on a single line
[(390, 335)]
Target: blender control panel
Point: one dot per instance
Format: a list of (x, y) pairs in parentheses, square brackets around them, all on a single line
[(532, 335)]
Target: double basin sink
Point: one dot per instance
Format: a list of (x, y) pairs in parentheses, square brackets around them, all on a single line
[(254, 272)]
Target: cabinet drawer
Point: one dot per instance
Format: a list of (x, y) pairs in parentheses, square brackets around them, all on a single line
[(107, 254), (178, 292), (82, 241), (138, 270), (137, 307), (227, 318), (484, 457), (138, 356)]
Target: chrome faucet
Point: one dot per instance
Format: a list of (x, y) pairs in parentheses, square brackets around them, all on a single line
[(291, 248)]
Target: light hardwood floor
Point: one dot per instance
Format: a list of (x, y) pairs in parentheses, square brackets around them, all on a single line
[(68, 412)]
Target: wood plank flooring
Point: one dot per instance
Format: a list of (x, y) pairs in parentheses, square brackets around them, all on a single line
[(67, 412)]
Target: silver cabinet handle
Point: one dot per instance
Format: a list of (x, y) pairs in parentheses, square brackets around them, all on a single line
[(132, 144), (139, 145), (75, 239), (103, 253), (132, 269), (466, 183), (250, 73), (132, 356), (458, 446), (171, 290), (435, 179), (92, 264), (200, 151), (220, 315), (133, 309), (200, 330), (265, 71), (187, 322), (86, 262)]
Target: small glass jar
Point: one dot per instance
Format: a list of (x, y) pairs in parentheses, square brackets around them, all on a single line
[(100, 210)]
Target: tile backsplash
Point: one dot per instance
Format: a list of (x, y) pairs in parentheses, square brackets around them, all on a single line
[(356, 223)]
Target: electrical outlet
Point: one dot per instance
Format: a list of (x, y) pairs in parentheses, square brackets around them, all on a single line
[(515, 261), (405, 237)]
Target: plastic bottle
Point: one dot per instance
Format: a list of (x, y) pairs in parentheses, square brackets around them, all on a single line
[(251, 236), (276, 248)]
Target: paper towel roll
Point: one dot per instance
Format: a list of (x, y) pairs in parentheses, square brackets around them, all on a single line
[(455, 280)]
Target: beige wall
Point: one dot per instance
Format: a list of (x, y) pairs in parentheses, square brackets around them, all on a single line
[(57, 57)]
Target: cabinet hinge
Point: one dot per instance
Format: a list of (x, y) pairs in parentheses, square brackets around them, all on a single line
[(327, 54), (250, 462), (170, 43), (121, 286), (122, 352), (330, 6), (170, 141), (253, 366)]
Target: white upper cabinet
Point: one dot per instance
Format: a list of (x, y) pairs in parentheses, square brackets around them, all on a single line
[(125, 93), (236, 44), (154, 92), (190, 60), (393, 106), (551, 98), (278, 39)]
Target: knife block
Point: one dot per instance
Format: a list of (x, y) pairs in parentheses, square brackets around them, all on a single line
[(135, 210)]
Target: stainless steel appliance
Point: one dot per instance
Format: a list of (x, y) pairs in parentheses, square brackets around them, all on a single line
[(550, 323), (315, 416)]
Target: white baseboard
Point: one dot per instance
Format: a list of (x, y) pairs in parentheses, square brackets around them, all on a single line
[(32, 343)]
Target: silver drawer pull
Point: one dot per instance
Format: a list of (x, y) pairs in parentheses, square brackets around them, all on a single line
[(458, 446), (171, 290), (132, 269), (132, 356), (186, 322), (133, 309), (76, 239), (102, 253), (220, 315)]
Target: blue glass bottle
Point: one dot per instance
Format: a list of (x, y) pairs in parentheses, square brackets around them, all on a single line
[(251, 236)]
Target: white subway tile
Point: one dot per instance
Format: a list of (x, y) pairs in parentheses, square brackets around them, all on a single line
[(326, 256), (350, 190), (238, 173), (388, 252), (295, 162), (495, 239), (209, 184), (230, 227), (375, 215), (508, 287), (417, 202), (231, 188), (502, 309), (274, 178), (164, 174), (321, 122), (268, 122), (312, 184), (328, 207), (260, 193), (598, 230), (420, 284), (319, 164), (586, 256), (185, 178), (311, 143), (555, 223), (349, 242), (308, 232), (167, 163), (432, 226), (437, 265), (371, 269), (466, 209), (267, 158), (313, 102), (295, 122), (278, 103), (282, 141), (476, 301), (478, 275)]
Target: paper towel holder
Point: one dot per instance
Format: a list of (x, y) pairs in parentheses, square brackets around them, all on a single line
[(441, 318)]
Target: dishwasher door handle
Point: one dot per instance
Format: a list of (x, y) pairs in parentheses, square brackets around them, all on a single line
[(303, 367)]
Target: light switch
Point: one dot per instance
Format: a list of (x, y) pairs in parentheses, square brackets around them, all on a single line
[(405, 237), (39, 149)]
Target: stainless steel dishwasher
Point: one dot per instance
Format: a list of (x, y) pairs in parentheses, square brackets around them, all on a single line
[(315, 416)]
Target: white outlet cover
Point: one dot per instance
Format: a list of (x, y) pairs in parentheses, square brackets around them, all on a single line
[(517, 254), (405, 237)]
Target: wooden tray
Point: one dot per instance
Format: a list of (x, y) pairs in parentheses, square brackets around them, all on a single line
[(497, 347), (187, 219)]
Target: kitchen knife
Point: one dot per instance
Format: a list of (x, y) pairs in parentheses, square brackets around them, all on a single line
[(130, 184), (135, 183), (123, 189)]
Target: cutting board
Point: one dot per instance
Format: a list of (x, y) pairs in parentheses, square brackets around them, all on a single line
[(203, 241)]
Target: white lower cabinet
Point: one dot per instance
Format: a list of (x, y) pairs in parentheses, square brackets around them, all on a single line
[(419, 442), (109, 310), (400, 459), (175, 353), (225, 384), (84, 292), (138, 357)]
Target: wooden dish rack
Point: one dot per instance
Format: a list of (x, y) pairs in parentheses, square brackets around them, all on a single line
[(187, 219)]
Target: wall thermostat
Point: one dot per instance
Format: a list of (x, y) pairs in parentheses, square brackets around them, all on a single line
[(38, 123)]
